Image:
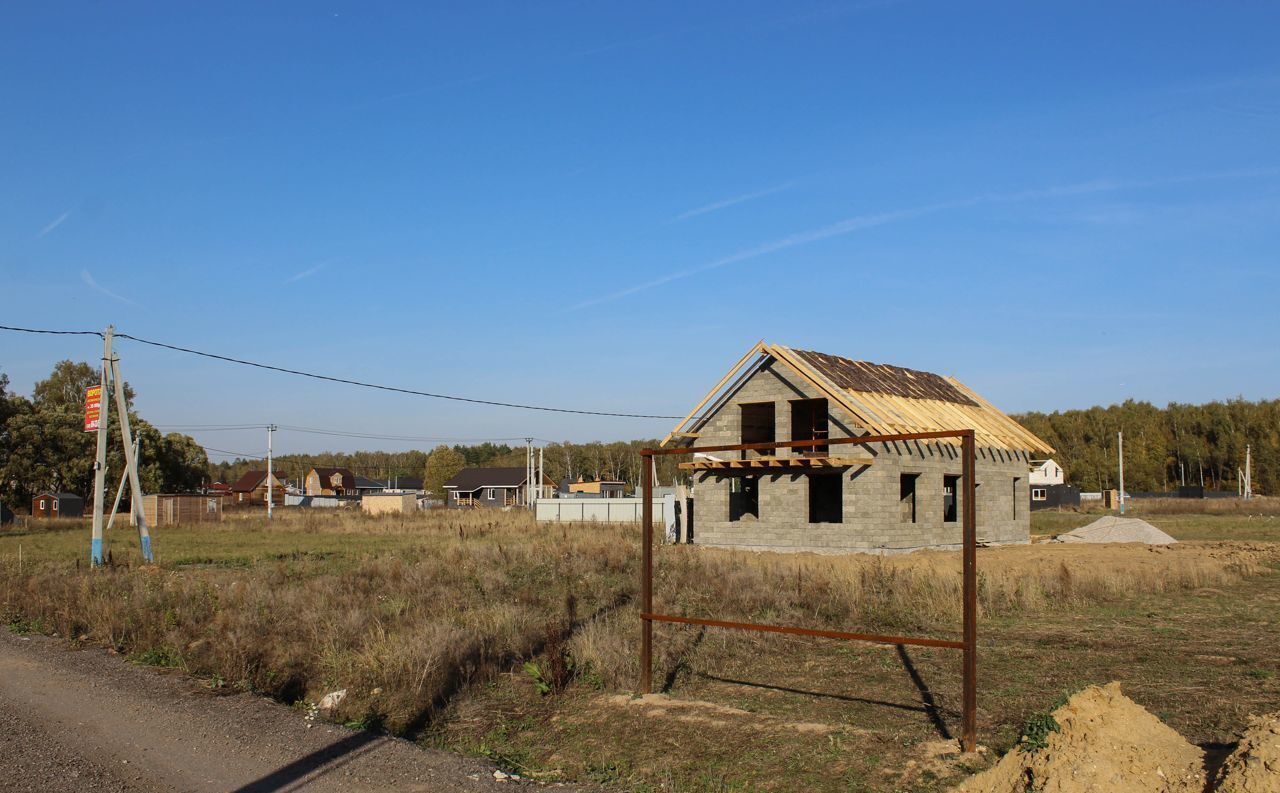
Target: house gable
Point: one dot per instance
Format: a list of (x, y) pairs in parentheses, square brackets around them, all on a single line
[(879, 399)]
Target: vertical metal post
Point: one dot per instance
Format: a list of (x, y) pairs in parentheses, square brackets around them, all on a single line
[(271, 428), (646, 577), (131, 462), (1120, 451), (100, 461), (969, 731)]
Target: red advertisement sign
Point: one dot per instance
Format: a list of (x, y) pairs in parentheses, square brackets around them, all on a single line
[(92, 408)]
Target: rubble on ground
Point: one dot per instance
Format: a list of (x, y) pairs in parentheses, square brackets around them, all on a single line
[(1116, 529)]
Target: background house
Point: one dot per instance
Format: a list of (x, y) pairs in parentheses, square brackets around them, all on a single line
[(886, 497), (1049, 488), (57, 505), (330, 482), (492, 487), (252, 488), (601, 488), (395, 484)]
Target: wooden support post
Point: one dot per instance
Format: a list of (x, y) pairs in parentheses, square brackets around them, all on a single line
[(646, 573), (969, 739)]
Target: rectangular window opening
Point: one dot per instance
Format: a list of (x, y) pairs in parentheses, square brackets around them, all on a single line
[(907, 497), (809, 422), (1016, 480), (825, 498), (1037, 494), (758, 426), (950, 498), (744, 497)]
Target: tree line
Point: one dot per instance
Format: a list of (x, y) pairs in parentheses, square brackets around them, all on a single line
[(591, 461), (1165, 447), (43, 445)]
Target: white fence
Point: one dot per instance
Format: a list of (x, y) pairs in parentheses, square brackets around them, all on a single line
[(291, 500), (604, 510)]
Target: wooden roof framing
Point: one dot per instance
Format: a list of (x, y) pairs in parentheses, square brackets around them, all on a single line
[(903, 400)]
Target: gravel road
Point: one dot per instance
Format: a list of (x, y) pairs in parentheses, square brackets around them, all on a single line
[(76, 720)]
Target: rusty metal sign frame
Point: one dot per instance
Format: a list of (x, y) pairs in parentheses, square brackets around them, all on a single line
[(969, 593)]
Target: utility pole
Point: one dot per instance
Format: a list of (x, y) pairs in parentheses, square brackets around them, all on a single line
[(270, 472), (541, 473), (1120, 451), (528, 472), (131, 461), (1248, 472), (100, 461)]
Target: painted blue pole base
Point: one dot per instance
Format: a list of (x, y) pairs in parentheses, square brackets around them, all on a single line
[(146, 549), (96, 552)]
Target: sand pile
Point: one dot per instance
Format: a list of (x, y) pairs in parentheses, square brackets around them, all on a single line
[(1116, 529), (1105, 742), (1254, 767)]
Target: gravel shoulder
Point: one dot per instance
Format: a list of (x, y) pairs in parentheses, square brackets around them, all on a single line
[(77, 719)]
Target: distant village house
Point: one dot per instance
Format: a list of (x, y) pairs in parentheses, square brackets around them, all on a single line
[(57, 505), (492, 487), (330, 482), (252, 488), (600, 488), (1049, 488)]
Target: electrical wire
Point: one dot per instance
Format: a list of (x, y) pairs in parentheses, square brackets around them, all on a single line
[(331, 379), (231, 454)]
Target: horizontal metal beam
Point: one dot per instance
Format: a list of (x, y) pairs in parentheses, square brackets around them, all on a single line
[(861, 637), (862, 439)]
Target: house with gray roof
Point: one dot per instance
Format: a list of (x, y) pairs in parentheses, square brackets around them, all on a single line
[(492, 487)]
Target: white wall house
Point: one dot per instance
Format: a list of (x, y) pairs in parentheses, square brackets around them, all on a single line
[(1046, 472)]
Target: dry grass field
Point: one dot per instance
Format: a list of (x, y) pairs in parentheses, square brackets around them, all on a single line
[(488, 634)]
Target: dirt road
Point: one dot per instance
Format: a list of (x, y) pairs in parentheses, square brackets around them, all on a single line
[(75, 720)]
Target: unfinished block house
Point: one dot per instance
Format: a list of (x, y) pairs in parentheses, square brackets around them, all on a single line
[(877, 498)]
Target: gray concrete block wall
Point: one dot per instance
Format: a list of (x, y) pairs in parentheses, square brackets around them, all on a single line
[(870, 494)]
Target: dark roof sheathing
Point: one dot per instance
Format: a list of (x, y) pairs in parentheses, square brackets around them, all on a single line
[(470, 479), (883, 378), (326, 476)]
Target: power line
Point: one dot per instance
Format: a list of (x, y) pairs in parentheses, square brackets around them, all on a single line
[(331, 379), (231, 454), (379, 437)]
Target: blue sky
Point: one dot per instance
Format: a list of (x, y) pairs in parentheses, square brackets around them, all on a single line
[(602, 206)]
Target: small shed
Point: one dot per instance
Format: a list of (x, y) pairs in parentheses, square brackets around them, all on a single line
[(181, 509), (57, 505), (388, 503)]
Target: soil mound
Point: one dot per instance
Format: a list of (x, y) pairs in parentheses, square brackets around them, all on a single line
[(1254, 767), (1116, 529), (1104, 742)]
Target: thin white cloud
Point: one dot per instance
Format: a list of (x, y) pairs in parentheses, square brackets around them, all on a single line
[(738, 199), (860, 222), (307, 273), (95, 286), (58, 221)]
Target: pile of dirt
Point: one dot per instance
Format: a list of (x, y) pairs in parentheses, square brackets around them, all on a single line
[(1104, 741), (1254, 766), (1116, 529)]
